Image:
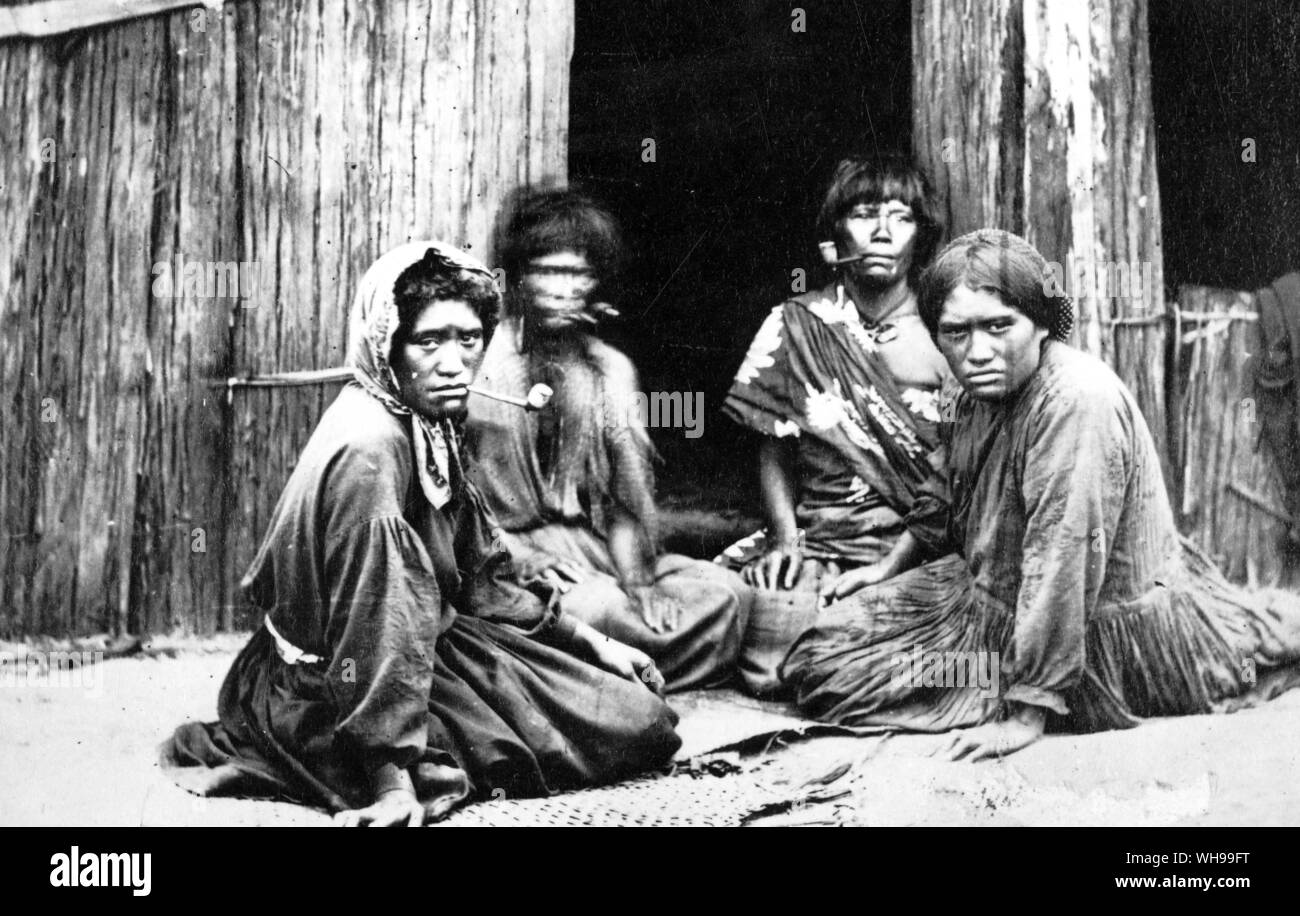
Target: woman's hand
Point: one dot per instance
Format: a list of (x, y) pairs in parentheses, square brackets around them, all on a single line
[(622, 659), (398, 808), (559, 574), (778, 568), (661, 612), (998, 739), (833, 589)]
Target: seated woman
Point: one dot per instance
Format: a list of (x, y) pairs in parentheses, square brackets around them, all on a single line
[(843, 384), (399, 669), (573, 484), (1078, 605)]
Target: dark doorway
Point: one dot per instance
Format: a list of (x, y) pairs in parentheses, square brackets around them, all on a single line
[(1225, 72), (748, 116)]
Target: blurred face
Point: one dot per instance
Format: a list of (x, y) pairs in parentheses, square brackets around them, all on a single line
[(886, 233), (556, 288), (992, 348), (439, 358)]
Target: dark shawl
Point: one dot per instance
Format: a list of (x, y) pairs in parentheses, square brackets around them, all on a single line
[(381, 566), (377, 541)]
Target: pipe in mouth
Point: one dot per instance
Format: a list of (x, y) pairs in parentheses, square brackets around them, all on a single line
[(538, 396), (830, 254)]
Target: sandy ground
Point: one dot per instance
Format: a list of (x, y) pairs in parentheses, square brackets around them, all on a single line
[(80, 751)]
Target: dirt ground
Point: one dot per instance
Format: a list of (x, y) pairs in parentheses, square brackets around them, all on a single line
[(81, 752)]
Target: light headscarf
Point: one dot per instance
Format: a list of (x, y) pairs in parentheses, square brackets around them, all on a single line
[(373, 323)]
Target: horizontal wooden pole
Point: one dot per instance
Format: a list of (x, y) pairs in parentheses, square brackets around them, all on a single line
[(287, 379), (1134, 320), (1218, 316), (1181, 315), (331, 376), (58, 17)]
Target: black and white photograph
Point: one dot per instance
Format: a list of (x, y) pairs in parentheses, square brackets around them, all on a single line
[(859, 413)]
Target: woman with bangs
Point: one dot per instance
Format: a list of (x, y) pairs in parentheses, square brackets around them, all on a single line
[(1078, 606), (843, 384)]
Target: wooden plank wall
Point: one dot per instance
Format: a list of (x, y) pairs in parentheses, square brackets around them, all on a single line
[(298, 140), (1232, 497)]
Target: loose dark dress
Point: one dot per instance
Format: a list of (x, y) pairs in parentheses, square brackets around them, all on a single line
[(1073, 582), (430, 657)]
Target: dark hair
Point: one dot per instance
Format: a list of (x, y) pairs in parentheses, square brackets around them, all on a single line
[(434, 278), (998, 262), (541, 221), (859, 180)]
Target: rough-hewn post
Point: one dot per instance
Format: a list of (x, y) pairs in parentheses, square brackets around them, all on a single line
[(1035, 116)]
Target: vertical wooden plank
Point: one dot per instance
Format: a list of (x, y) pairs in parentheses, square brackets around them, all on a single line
[(267, 426), (1126, 214), (1035, 117), (1059, 144), (1220, 459), (109, 109), (28, 160), (181, 579), (546, 140), (968, 103)]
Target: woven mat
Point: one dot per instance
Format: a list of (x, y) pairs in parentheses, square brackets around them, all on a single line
[(713, 783), (696, 798)]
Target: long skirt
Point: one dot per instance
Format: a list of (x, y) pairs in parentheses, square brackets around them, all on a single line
[(923, 652), (701, 651), (779, 616), (508, 717)]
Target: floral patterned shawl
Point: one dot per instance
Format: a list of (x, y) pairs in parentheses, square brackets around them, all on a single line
[(814, 373)]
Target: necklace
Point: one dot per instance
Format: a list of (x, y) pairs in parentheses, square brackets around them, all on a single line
[(882, 332), (883, 328)]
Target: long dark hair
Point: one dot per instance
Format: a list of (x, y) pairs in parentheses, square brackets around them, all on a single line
[(539, 221)]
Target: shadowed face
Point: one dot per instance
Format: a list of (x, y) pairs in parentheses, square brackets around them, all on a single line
[(992, 348), (438, 358), (556, 288), (886, 233)]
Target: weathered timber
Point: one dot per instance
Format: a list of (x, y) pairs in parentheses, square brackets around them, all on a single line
[(282, 145)]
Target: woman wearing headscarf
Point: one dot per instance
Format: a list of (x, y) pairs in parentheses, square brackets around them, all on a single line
[(1079, 606), (400, 668)]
